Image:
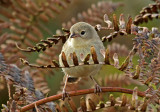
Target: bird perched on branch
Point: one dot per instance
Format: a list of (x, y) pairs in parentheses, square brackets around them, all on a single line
[(82, 37)]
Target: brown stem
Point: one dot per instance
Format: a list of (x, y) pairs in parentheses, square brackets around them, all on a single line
[(80, 92)]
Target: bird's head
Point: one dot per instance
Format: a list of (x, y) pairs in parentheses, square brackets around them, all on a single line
[(82, 30), (82, 33)]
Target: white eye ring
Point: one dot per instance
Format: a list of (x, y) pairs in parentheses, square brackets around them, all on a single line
[(83, 32)]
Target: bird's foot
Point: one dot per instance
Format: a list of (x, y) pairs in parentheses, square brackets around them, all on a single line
[(98, 89), (64, 95)]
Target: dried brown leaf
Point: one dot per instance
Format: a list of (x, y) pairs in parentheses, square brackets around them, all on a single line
[(112, 100), (115, 23), (128, 26), (72, 105), (75, 59), (91, 104), (83, 104), (87, 59), (55, 63), (64, 60), (94, 55), (107, 57), (116, 60)]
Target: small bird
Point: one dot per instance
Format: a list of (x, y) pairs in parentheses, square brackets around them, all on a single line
[(82, 37)]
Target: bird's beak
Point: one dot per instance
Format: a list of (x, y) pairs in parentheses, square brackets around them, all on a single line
[(74, 35)]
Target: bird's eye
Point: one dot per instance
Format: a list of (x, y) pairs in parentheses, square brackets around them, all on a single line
[(83, 32)]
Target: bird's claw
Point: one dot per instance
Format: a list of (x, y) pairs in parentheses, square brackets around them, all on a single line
[(64, 95), (98, 89)]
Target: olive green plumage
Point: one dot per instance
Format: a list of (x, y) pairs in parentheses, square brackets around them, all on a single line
[(82, 37)]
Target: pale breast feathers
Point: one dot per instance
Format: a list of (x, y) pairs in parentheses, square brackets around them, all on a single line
[(85, 70)]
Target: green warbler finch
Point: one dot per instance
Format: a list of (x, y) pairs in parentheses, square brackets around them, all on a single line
[(82, 37)]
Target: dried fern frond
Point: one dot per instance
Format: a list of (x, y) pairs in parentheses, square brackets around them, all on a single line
[(93, 102), (146, 44), (118, 80), (46, 43), (121, 50), (50, 41), (113, 48), (9, 50), (49, 54), (25, 92), (84, 60), (25, 19), (93, 15), (148, 13), (142, 40), (120, 27), (40, 82), (74, 86)]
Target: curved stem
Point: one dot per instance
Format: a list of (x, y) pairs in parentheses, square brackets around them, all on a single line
[(77, 93)]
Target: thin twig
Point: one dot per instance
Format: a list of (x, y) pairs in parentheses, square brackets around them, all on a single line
[(77, 93)]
